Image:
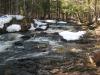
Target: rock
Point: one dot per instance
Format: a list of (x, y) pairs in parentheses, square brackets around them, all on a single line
[(97, 31), (54, 71), (24, 73), (41, 46), (76, 73), (75, 50), (55, 33), (39, 29), (26, 37), (18, 43), (25, 27), (44, 72), (8, 72), (96, 57), (22, 67)]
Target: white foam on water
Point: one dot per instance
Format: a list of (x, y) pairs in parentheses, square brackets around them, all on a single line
[(8, 43), (4, 45), (11, 36), (43, 39)]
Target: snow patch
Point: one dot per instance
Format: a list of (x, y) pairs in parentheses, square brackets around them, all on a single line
[(5, 19), (13, 28), (50, 21), (67, 35), (40, 25), (18, 17), (32, 27), (43, 27), (1, 25)]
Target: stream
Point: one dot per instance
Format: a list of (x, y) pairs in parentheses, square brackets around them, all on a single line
[(38, 52)]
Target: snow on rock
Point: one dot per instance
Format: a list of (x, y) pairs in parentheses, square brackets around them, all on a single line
[(40, 25), (43, 27), (5, 19), (71, 36), (50, 21), (13, 28), (62, 22), (1, 25), (32, 27), (18, 17)]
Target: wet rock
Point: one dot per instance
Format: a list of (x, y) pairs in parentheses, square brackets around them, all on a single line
[(39, 29), (43, 33), (18, 43), (22, 67), (26, 37), (2, 69), (8, 72), (56, 33), (2, 31), (24, 73), (41, 45), (25, 27), (37, 46)]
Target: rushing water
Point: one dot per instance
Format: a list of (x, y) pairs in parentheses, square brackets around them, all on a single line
[(13, 47)]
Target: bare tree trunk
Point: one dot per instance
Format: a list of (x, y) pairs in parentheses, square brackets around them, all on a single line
[(96, 11), (17, 6)]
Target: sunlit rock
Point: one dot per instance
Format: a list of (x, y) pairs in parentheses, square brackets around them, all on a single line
[(95, 55), (75, 50), (97, 31)]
